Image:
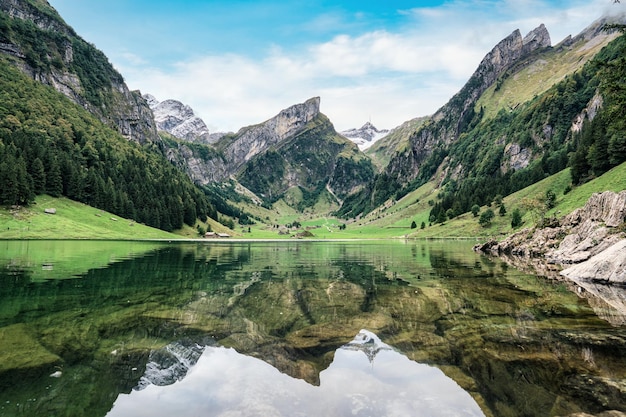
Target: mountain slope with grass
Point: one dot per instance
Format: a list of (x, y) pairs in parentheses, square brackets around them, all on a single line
[(497, 136), (69, 127)]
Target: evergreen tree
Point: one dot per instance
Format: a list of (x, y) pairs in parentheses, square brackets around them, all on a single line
[(516, 218), (38, 174), (54, 181)]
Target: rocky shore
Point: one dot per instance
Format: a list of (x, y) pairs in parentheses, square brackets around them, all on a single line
[(588, 245)]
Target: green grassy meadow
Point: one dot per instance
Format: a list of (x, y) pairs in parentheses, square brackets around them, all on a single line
[(72, 221)]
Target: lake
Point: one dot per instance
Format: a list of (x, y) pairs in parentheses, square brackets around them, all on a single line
[(297, 328)]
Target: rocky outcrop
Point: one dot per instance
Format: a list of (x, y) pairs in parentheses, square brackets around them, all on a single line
[(516, 157), (179, 120), (592, 237), (607, 266)]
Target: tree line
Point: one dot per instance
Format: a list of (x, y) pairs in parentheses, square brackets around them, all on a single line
[(542, 126), (50, 145)]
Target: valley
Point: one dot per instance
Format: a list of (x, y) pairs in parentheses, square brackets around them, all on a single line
[(478, 248)]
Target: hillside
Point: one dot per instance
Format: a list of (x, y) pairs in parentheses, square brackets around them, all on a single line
[(495, 137), (394, 142), (69, 127), (316, 160), (71, 220), (36, 40), (530, 113), (296, 156)]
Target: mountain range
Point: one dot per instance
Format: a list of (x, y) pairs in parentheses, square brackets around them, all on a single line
[(529, 110)]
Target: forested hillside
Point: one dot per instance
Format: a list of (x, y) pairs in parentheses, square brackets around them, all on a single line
[(50, 145), (519, 146), (315, 161)]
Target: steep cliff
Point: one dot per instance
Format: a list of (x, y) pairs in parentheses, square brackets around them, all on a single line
[(508, 127), (297, 149), (71, 128), (453, 118), (37, 41), (316, 160), (218, 161)]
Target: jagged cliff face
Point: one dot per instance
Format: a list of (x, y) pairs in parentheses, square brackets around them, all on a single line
[(179, 120), (73, 67), (449, 121), (298, 148), (316, 159), (231, 152), (253, 140)]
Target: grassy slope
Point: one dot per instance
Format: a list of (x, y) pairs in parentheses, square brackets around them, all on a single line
[(72, 221), (467, 225), (397, 140), (552, 67), (394, 219)]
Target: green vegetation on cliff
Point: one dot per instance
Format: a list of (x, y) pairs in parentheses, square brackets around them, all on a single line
[(50, 145), (503, 152), (314, 160)]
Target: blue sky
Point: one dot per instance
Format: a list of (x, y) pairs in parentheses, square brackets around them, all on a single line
[(239, 62)]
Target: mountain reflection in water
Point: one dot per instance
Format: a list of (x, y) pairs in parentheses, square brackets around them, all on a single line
[(366, 378), (121, 328)]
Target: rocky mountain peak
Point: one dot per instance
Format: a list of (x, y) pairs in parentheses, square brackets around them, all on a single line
[(289, 121), (365, 136), (537, 38), (178, 119), (509, 51), (253, 140), (237, 149)]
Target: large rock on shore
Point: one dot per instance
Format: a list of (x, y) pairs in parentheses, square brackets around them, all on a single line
[(592, 237), (607, 266)]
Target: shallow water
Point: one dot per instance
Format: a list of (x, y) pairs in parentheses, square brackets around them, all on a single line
[(297, 329)]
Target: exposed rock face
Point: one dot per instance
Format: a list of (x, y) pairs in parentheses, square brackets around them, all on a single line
[(518, 157), (179, 120), (253, 140), (121, 109), (590, 235), (607, 266), (588, 114), (236, 150), (448, 121), (365, 136)]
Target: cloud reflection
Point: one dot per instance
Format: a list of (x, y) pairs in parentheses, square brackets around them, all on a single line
[(366, 378)]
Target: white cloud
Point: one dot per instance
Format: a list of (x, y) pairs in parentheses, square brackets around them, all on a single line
[(388, 77)]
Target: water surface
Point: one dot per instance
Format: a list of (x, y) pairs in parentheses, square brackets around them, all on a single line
[(297, 329)]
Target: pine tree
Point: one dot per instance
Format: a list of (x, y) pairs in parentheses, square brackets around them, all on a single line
[(54, 181), (516, 218), (39, 176)]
